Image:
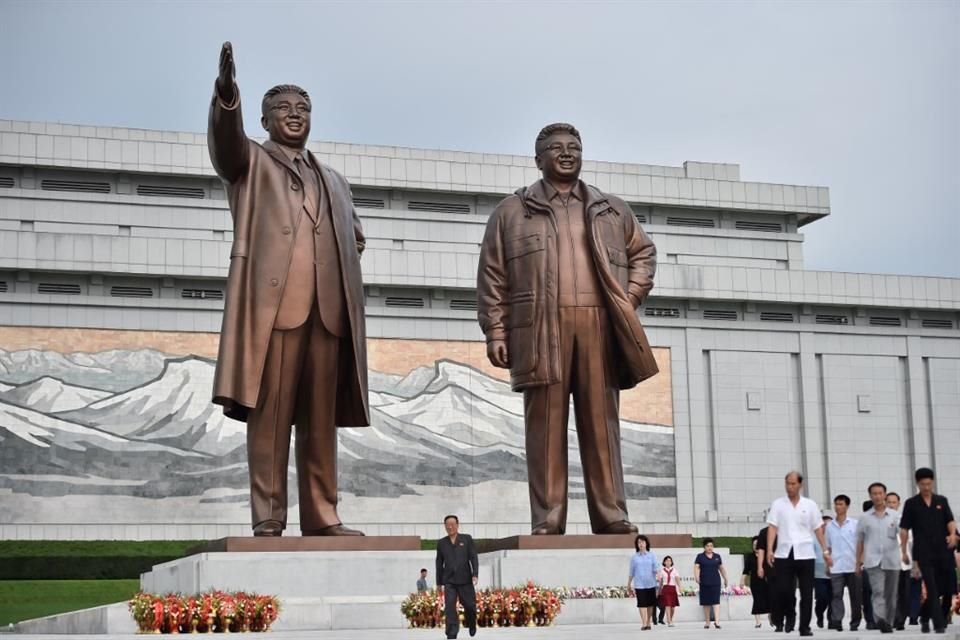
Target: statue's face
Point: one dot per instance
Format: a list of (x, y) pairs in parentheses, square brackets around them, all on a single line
[(288, 119), (560, 157)]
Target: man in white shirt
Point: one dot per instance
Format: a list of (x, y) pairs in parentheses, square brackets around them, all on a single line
[(793, 521), (842, 542)]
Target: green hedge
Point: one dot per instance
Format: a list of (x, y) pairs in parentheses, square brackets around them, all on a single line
[(737, 545), (85, 560)]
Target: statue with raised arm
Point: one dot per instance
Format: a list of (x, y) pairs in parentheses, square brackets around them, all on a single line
[(293, 342), (563, 268)]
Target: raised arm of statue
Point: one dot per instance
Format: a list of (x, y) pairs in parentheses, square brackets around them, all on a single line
[(229, 146)]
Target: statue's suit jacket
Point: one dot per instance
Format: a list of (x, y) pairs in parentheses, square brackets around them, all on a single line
[(517, 299), (266, 196)]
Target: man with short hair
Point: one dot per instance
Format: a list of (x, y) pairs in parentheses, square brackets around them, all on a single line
[(793, 521), (878, 553), (907, 585), (842, 544), (929, 517), (457, 569), (563, 268), (422, 581)]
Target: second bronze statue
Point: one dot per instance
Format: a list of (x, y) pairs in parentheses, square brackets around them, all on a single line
[(563, 267), (293, 342)]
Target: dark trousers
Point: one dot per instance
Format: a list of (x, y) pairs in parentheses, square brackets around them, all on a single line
[(782, 605), (936, 577), (468, 598), (915, 593), (661, 611), (903, 599), (823, 590), (790, 571)]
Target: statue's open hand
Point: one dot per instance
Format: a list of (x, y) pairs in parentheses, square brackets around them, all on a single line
[(497, 354), (228, 72)]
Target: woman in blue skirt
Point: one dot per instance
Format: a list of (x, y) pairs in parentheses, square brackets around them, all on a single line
[(708, 571)]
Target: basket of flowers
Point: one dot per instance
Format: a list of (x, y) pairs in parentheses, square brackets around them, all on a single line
[(147, 612)]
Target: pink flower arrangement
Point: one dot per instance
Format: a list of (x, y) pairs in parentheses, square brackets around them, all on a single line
[(687, 588)]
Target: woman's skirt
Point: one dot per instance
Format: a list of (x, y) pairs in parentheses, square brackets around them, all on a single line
[(709, 594), (668, 596), (646, 598)]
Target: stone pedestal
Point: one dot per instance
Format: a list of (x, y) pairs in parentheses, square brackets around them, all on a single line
[(304, 574), (271, 544), (624, 541)]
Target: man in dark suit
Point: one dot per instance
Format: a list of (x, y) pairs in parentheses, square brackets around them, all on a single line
[(293, 342), (457, 570)]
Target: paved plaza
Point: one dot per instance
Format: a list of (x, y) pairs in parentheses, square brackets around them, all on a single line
[(683, 631)]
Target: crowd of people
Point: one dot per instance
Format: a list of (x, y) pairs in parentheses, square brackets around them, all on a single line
[(895, 562)]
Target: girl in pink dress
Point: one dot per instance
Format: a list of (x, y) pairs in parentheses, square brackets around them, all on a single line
[(668, 580)]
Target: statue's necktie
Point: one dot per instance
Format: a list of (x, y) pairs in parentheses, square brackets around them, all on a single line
[(310, 188)]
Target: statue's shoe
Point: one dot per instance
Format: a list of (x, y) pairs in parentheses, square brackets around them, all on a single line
[(268, 528), (334, 530), (545, 530), (615, 528)]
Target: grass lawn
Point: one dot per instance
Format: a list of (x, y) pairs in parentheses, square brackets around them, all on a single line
[(25, 599)]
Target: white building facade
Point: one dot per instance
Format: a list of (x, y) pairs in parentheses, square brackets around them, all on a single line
[(114, 247)]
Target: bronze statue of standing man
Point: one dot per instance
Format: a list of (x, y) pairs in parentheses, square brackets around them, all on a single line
[(293, 343), (563, 267)]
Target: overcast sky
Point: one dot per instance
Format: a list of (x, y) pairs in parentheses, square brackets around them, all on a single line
[(861, 97)]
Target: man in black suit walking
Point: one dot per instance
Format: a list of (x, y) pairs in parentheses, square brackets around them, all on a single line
[(457, 570)]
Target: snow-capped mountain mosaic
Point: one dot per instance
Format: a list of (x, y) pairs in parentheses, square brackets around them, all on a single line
[(139, 424)]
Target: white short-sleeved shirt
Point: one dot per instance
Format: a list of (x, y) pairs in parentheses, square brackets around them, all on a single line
[(795, 526), (668, 577)]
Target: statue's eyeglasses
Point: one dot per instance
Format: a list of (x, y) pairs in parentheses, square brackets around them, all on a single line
[(286, 107), (559, 148)]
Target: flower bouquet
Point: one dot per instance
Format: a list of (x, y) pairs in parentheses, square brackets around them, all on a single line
[(174, 613), (226, 612), (266, 611), (215, 611), (147, 612)]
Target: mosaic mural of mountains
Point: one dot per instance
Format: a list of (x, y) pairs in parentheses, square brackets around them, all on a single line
[(140, 423)]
